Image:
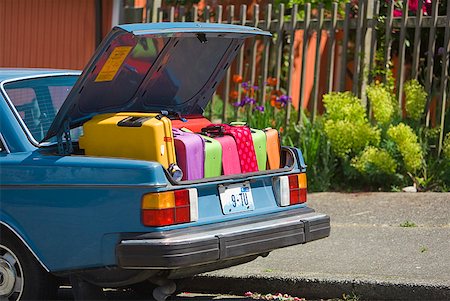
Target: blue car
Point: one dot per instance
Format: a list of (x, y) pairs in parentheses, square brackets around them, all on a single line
[(66, 215)]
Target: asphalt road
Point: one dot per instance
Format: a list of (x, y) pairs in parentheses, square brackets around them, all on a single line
[(370, 254)]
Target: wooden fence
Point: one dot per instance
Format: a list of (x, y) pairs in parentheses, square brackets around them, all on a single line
[(417, 44)]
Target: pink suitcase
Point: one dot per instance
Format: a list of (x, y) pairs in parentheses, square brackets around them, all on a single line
[(230, 155), (190, 153)]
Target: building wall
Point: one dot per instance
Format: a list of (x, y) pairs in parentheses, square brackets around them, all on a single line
[(49, 33)]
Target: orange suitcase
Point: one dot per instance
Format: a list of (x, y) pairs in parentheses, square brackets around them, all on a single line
[(273, 148)]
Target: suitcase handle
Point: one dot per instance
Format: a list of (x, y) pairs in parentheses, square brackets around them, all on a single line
[(239, 123), (133, 121), (173, 115), (162, 114), (216, 130)]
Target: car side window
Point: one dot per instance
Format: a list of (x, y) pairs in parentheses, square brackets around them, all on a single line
[(37, 100)]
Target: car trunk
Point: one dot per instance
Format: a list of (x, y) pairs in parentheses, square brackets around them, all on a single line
[(143, 74)]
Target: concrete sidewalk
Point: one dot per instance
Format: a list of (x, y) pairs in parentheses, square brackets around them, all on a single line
[(368, 253)]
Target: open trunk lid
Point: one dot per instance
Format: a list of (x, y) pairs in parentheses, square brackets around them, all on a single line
[(152, 67)]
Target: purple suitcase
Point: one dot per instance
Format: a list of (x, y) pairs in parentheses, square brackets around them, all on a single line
[(190, 153)]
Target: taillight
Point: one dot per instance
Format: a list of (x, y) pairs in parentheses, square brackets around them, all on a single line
[(291, 190), (169, 207)]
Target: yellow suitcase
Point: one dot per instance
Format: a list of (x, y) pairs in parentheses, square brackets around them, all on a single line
[(143, 136)]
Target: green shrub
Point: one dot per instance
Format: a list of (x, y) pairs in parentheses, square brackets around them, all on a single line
[(406, 141), (382, 103), (346, 125), (416, 98), (446, 147), (375, 161)]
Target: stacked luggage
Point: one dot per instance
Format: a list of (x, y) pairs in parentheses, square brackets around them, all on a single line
[(195, 145)]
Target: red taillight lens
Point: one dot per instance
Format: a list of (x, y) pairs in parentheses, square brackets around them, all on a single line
[(168, 208), (158, 217), (181, 197), (297, 189)]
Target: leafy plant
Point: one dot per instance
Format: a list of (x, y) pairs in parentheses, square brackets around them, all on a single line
[(316, 150), (446, 147), (346, 124), (406, 141), (389, 153), (382, 102), (375, 161), (408, 224), (350, 297), (416, 98)]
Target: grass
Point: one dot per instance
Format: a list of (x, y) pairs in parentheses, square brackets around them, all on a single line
[(423, 249), (408, 224), (351, 297)]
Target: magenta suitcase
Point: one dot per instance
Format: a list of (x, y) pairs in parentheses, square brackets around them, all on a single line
[(230, 155), (190, 153)]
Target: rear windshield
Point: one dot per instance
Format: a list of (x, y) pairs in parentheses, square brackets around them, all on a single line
[(38, 100)]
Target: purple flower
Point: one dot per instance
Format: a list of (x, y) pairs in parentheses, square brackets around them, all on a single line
[(259, 108), (284, 99), (244, 85), (239, 103), (249, 100), (255, 88)]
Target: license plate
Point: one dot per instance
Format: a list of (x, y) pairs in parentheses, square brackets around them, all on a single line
[(236, 198)]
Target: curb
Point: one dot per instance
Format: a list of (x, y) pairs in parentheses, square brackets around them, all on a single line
[(315, 288)]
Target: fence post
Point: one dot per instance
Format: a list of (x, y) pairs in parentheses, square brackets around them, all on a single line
[(254, 46), (266, 54), (444, 78), (373, 44), (226, 97), (291, 58), (292, 29), (279, 44), (307, 22), (417, 41), (366, 50), (388, 40), (430, 59), (358, 47), (343, 74), (401, 51), (172, 14), (317, 62), (332, 48), (153, 9)]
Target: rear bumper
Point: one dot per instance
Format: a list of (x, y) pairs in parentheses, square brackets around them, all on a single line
[(223, 241)]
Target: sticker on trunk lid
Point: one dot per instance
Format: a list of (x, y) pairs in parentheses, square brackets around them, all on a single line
[(113, 63)]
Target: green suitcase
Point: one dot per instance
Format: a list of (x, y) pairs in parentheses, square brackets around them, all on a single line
[(259, 141), (213, 157)]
